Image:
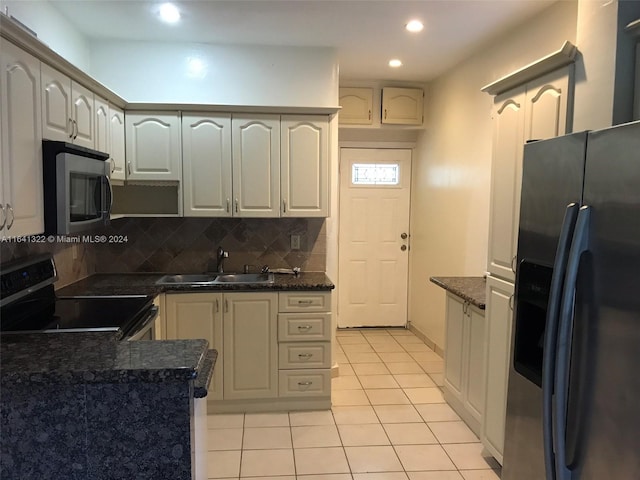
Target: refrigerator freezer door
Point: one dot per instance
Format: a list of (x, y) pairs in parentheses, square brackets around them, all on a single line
[(604, 394), (553, 172)]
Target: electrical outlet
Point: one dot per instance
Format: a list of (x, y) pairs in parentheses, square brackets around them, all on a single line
[(295, 242)]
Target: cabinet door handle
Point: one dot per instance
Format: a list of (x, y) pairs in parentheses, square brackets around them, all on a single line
[(385, 113), (128, 167), (304, 327), (369, 114), (284, 206), (113, 165), (236, 205), (305, 302), (226, 306), (71, 128), (305, 384), (228, 205), (13, 217), (513, 263), (75, 129), (4, 217), (217, 305), (511, 303), (305, 355)]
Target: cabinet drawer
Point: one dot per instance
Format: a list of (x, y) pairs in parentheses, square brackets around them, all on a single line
[(304, 302), (305, 355), (305, 383), (303, 327)]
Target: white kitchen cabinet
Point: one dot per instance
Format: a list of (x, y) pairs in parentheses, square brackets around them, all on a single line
[(250, 345), (256, 165), (67, 109), (198, 315), (357, 106), (402, 106), (304, 336), (304, 166), (498, 338), (117, 143), (464, 375), (506, 170), (153, 146), (101, 124), (535, 111), (206, 163), (21, 191)]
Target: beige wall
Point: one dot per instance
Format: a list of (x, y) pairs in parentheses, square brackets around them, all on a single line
[(450, 197)]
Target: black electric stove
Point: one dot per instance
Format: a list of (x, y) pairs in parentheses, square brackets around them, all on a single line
[(28, 304)]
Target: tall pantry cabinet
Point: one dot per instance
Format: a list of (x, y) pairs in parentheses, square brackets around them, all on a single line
[(536, 110)]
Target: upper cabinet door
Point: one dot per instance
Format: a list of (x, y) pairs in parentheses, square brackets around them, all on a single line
[(305, 166), (82, 110), (206, 163), (546, 106), (153, 146), (117, 143), (57, 121), (357, 106), (21, 146), (101, 124), (506, 168), (402, 106), (256, 165)]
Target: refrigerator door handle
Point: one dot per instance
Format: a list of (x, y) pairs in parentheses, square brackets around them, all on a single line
[(579, 245), (550, 337)]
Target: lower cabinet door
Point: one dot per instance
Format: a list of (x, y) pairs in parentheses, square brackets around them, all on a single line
[(475, 378), (454, 353), (250, 345), (198, 315), (305, 383)]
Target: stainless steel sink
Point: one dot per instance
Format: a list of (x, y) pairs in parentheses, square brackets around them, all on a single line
[(213, 278), (245, 278), (187, 279)]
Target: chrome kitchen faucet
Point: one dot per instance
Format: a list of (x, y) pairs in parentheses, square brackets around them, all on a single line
[(220, 256)]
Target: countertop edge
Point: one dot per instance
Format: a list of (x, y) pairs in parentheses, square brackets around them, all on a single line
[(471, 289), (205, 374)]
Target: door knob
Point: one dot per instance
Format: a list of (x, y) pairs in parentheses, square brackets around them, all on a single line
[(403, 236), (403, 248)]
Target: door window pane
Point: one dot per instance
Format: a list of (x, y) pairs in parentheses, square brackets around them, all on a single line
[(375, 174)]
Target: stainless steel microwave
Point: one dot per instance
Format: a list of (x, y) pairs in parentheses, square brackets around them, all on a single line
[(77, 191)]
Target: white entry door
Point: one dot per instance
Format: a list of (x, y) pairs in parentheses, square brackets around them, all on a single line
[(375, 191)]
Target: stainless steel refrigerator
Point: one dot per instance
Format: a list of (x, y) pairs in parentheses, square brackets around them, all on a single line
[(573, 402)]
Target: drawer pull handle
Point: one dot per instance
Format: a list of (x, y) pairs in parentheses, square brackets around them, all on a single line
[(304, 327), (305, 355), (305, 384), (305, 302)]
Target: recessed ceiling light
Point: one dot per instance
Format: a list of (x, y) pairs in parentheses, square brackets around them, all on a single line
[(169, 13), (414, 26), (395, 63)]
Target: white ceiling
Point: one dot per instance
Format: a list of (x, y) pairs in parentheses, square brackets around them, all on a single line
[(366, 33)]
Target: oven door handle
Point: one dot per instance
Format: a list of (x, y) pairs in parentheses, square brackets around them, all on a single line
[(141, 330)]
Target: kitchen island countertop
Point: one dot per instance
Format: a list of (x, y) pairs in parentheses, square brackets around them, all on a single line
[(471, 289)]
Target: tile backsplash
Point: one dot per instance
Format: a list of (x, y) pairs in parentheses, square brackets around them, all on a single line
[(180, 245), (73, 261)]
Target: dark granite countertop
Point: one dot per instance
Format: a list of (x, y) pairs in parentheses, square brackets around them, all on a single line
[(68, 358), (471, 289), (145, 284), (205, 373)]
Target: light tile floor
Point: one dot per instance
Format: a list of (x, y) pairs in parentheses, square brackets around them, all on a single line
[(389, 421)]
